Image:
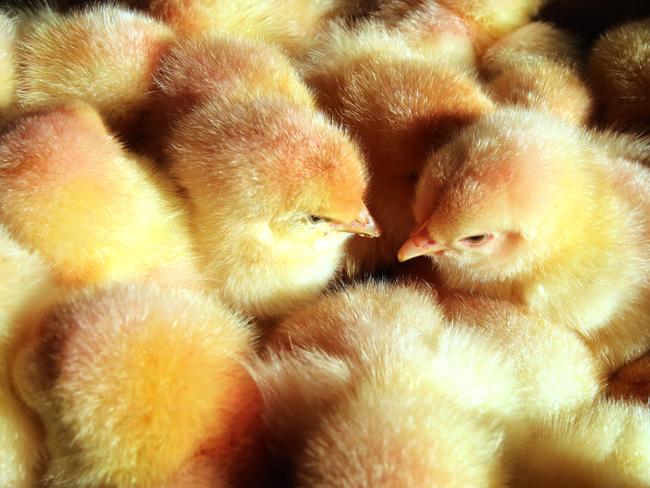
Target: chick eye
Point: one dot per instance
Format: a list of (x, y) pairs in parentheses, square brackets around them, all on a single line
[(476, 240), (316, 219)]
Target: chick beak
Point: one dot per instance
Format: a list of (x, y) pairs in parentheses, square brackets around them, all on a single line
[(364, 225), (419, 244)]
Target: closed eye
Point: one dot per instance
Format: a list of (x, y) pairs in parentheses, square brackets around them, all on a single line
[(476, 240), (317, 219)]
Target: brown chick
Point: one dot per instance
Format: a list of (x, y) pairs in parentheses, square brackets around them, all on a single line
[(93, 211), (275, 188), (136, 383), (25, 289), (7, 62), (525, 208), (536, 67), (291, 25), (400, 103), (619, 66), (104, 55)]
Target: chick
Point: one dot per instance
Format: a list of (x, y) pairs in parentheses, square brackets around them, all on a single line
[(195, 70), (394, 431), (275, 191), (92, 210), (7, 61), (536, 67), (463, 27), (24, 289), (525, 208), (381, 349), (134, 383), (619, 66), (400, 103), (112, 68), (291, 25), (604, 446)]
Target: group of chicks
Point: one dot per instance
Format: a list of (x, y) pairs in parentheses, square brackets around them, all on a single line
[(321, 243)]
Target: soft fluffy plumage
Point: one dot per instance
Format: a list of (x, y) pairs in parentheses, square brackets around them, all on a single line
[(400, 102), (92, 210), (112, 69), (619, 66), (275, 188), (25, 288), (525, 208), (7, 61), (133, 382)]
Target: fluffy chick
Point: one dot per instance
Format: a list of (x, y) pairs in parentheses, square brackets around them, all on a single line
[(291, 25), (7, 61), (371, 347), (394, 430), (528, 209), (92, 210), (275, 191), (24, 290), (536, 67), (104, 55), (619, 66), (400, 103), (194, 70), (602, 446), (132, 382), (461, 28)]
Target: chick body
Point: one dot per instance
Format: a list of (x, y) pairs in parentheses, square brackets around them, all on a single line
[(619, 66), (7, 62), (93, 211), (25, 288), (112, 69), (134, 383), (562, 231)]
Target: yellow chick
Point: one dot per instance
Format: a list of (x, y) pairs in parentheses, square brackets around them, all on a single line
[(606, 445), (535, 67), (619, 66), (196, 69), (24, 289), (525, 208), (289, 24), (461, 28), (104, 55), (93, 211), (275, 189), (7, 61), (399, 102), (383, 362), (135, 384)]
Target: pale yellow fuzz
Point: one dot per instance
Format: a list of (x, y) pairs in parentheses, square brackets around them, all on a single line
[(111, 69), (569, 217), (393, 432), (400, 102), (290, 24), (535, 67), (254, 169), (7, 62), (443, 391), (25, 286), (132, 381), (602, 446), (619, 67), (93, 211)]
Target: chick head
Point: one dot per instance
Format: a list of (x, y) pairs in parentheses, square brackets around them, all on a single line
[(500, 197)]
